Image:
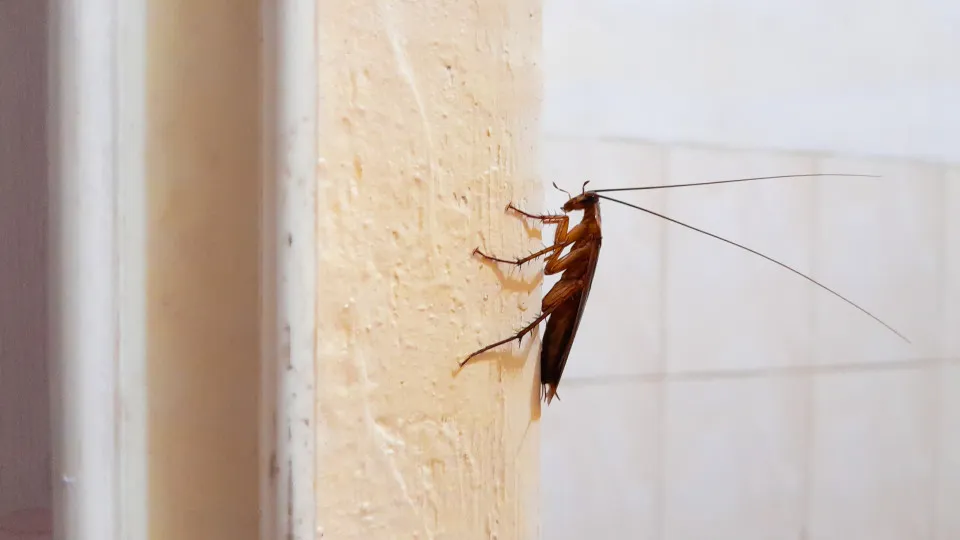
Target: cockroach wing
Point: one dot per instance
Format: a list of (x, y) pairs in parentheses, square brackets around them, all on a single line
[(562, 328)]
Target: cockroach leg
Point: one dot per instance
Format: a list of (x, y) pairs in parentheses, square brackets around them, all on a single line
[(518, 336), (562, 222), (554, 298), (528, 258), (559, 264), (546, 218)]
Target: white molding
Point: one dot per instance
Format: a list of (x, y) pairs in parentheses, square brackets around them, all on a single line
[(132, 245), (83, 261), (97, 268), (289, 269)]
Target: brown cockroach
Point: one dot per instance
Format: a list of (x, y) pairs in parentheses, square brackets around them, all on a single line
[(563, 304)]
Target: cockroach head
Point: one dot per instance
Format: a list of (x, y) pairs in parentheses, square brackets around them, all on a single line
[(581, 202)]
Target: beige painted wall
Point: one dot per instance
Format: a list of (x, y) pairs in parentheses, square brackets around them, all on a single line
[(428, 127), (203, 258)]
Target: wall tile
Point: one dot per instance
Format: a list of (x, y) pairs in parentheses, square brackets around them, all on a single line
[(872, 455), (879, 244), (621, 326), (734, 459), (599, 462), (727, 308)]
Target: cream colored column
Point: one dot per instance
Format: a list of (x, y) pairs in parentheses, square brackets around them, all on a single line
[(428, 127)]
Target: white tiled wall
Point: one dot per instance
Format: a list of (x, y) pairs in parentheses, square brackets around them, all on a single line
[(874, 77), (872, 449), (712, 394)]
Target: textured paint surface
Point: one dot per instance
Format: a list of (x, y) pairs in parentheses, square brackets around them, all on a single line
[(202, 269), (428, 128)]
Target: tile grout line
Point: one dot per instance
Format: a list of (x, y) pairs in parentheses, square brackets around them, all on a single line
[(770, 372)]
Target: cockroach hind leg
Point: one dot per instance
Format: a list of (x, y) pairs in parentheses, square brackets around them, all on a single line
[(518, 334), (483, 255), (488, 347), (526, 330), (515, 208)]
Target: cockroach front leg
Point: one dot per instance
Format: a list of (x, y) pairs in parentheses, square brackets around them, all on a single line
[(528, 258), (562, 238), (544, 218)]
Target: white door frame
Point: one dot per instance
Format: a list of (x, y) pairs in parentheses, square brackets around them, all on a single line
[(289, 270), (95, 130), (96, 126)]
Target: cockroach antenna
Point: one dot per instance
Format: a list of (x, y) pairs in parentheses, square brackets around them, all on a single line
[(562, 190), (733, 181)]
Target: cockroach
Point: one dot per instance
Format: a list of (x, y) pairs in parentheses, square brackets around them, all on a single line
[(563, 304)]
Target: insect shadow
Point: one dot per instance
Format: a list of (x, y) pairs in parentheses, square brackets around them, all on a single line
[(510, 280), (518, 283)]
